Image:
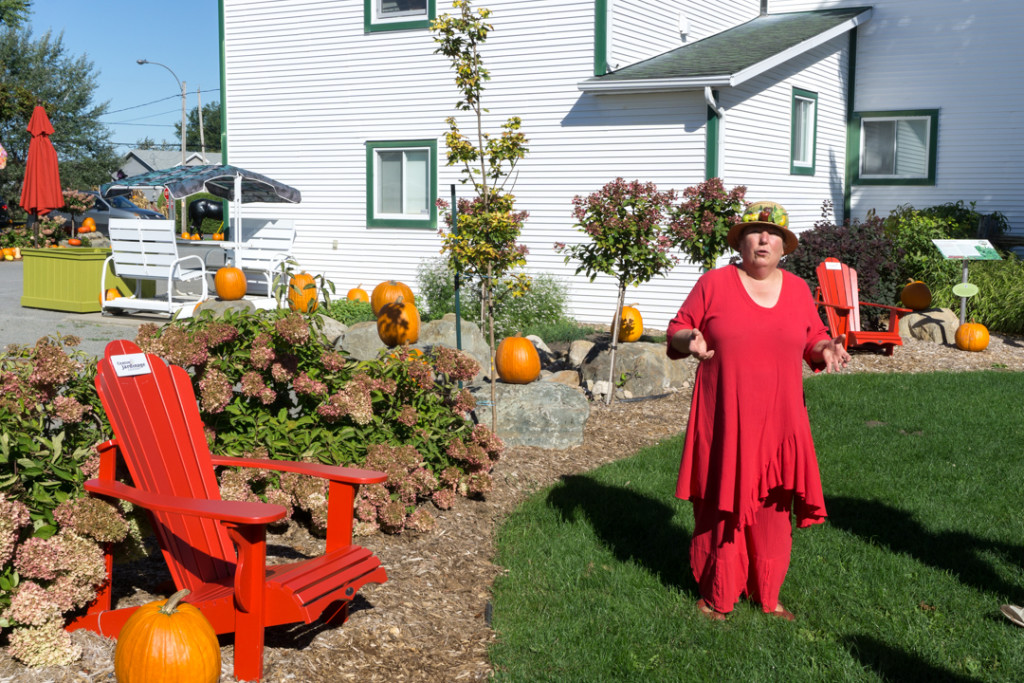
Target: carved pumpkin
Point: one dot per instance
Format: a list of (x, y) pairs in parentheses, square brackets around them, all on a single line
[(302, 295), (358, 294), (972, 336), (916, 296), (229, 283), (517, 360), (389, 291), (165, 641), (631, 325), (398, 323)]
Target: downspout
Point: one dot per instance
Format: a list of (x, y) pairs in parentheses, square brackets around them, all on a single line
[(713, 141), (852, 154)]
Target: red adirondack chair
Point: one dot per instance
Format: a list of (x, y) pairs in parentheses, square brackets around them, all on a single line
[(838, 294), (213, 547)]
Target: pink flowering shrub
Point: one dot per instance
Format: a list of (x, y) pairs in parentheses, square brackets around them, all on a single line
[(269, 385)]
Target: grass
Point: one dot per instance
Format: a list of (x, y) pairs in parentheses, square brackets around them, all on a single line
[(923, 477)]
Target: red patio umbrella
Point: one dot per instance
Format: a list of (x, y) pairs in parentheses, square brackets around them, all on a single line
[(41, 189)]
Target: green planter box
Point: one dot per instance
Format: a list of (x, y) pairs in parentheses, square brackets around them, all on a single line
[(69, 279)]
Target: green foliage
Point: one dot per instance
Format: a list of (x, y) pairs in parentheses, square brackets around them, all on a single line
[(962, 221), (16, 236), (543, 304), (349, 312), (912, 232), (701, 223), (14, 13), (41, 70), (999, 304), (211, 128)]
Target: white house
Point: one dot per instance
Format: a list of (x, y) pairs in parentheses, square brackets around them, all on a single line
[(865, 106)]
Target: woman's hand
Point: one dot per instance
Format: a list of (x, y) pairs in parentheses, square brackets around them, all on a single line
[(698, 345), (832, 353)]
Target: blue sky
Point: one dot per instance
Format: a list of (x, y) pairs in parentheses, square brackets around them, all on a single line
[(144, 100)]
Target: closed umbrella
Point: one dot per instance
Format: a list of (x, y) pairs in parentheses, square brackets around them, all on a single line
[(41, 189)]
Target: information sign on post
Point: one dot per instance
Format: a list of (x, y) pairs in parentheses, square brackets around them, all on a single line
[(966, 251)]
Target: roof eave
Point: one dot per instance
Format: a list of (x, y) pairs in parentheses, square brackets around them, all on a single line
[(599, 87)]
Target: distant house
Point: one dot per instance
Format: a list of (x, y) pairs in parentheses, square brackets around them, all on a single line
[(802, 101), (139, 161)]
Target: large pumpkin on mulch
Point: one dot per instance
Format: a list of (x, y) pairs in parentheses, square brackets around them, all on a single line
[(972, 336)]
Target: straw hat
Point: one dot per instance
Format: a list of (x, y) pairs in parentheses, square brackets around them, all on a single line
[(765, 215)]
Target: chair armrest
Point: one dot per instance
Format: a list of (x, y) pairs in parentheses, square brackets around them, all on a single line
[(345, 475), (232, 511), (897, 309), (847, 309)]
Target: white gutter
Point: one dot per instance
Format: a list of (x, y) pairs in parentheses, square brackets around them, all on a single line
[(599, 86)]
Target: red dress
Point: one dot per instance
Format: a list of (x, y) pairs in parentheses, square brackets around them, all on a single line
[(748, 430)]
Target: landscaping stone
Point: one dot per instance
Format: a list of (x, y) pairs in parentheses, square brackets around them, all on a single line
[(548, 359), (578, 351), (641, 368), (362, 342), (936, 325), (570, 378), (333, 329), (541, 414), (219, 307)]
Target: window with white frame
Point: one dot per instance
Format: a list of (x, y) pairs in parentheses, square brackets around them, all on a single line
[(401, 183), (395, 15), (804, 131), (896, 147)]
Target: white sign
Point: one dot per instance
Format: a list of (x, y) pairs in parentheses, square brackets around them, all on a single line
[(130, 364), (976, 250)]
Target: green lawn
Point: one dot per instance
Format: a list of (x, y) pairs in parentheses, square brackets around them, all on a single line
[(924, 483)]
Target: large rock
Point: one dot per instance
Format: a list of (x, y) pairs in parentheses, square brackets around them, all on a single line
[(333, 329), (219, 307), (362, 342), (641, 369), (541, 414), (936, 325)]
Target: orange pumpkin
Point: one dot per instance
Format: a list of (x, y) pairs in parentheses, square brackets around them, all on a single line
[(389, 291), (517, 360), (218, 237), (302, 295), (165, 641), (82, 229), (631, 324), (398, 323), (74, 242), (112, 293), (185, 235), (358, 294), (972, 336), (916, 296), (90, 223), (229, 283)]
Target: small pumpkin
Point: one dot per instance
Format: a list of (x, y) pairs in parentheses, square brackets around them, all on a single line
[(83, 229), (916, 296), (90, 223), (389, 291), (517, 360), (631, 324), (218, 237), (74, 242), (398, 323), (167, 641), (302, 294), (112, 293), (229, 283), (185, 235), (357, 293), (972, 336)]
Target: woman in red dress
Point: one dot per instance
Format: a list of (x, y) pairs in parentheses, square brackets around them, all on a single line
[(749, 460)]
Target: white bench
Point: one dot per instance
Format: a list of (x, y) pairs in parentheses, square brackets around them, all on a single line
[(264, 247), (147, 250)]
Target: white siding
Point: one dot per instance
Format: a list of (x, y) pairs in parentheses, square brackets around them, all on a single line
[(640, 29), (757, 126), (708, 17), (306, 88), (965, 59)]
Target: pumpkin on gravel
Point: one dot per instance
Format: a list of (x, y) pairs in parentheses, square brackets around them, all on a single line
[(167, 641), (389, 291), (972, 336), (517, 360)]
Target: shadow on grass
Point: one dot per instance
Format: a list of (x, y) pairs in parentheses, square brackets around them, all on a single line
[(954, 551), (633, 526), (895, 665)]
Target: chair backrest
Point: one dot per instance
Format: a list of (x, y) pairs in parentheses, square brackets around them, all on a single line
[(837, 283), (142, 248), (156, 421), (265, 243)]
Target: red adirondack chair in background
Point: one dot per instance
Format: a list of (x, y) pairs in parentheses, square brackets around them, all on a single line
[(839, 295), (216, 548)]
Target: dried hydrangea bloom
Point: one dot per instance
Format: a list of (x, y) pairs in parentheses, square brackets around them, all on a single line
[(366, 511), (293, 328), (92, 517), (13, 516), (37, 558), (32, 605), (479, 483), (217, 333), (391, 517), (420, 520), (444, 498), (305, 385), (81, 559), (236, 484), (283, 371), (262, 353), (455, 364), (361, 528), (450, 477), (282, 498), (408, 416), (51, 367), (333, 361), (464, 403), (215, 391), (46, 645)]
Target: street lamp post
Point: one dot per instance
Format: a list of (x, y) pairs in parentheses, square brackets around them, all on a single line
[(181, 85)]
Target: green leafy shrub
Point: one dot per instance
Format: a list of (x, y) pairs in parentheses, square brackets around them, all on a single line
[(862, 245), (16, 236), (544, 303), (349, 312), (962, 221), (912, 232), (999, 304)]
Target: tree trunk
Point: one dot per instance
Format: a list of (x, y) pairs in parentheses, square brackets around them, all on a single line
[(490, 323), (615, 342)]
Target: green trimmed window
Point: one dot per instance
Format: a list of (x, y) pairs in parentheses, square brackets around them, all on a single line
[(397, 15), (401, 184), (896, 147), (803, 132)]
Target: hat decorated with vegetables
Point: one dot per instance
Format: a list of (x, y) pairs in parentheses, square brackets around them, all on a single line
[(764, 215)]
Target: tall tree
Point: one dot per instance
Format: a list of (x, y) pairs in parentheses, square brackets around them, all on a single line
[(40, 71), (211, 128), (14, 13)]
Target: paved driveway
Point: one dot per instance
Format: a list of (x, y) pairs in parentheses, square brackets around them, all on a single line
[(25, 325)]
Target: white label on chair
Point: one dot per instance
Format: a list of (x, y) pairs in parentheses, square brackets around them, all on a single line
[(130, 364), (833, 265)]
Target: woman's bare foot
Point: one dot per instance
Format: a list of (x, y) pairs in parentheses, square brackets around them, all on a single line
[(709, 611), (782, 613)]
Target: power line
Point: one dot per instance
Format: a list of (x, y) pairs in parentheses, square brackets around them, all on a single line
[(163, 99)]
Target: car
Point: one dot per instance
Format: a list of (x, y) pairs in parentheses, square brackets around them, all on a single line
[(105, 208)]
